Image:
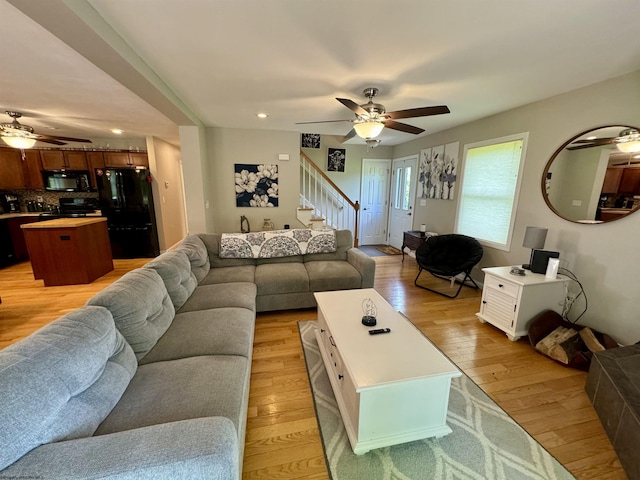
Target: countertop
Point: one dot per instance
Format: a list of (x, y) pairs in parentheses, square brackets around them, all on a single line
[(4, 216), (64, 223)]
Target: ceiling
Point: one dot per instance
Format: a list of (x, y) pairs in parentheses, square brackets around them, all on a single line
[(149, 66)]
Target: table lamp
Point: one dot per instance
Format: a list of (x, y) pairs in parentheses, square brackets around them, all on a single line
[(534, 238)]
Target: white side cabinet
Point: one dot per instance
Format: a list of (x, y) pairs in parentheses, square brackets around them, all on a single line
[(510, 302)]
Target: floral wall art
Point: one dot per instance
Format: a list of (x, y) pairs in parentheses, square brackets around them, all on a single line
[(437, 171), (256, 185), (336, 158)]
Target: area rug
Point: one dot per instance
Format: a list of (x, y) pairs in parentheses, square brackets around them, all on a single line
[(388, 250), (485, 443)]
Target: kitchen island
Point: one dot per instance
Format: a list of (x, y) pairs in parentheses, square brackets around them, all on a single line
[(69, 251)]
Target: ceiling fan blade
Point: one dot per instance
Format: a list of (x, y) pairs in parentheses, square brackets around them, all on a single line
[(418, 112), (351, 134), (353, 106), (322, 121), (42, 138), (403, 127), (599, 141), (50, 140)]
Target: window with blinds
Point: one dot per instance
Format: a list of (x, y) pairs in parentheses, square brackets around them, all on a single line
[(490, 187)]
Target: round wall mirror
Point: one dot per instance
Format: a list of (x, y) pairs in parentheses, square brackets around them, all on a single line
[(590, 180)]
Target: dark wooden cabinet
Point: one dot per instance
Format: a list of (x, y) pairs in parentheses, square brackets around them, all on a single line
[(17, 237), (125, 159), (32, 170), (612, 180), (63, 160), (630, 181), (94, 160), (11, 169)]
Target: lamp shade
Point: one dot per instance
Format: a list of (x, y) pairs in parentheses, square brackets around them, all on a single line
[(368, 129), (19, 142), (534, 237)]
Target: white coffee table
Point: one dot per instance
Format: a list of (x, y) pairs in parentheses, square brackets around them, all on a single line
[(390, 388)]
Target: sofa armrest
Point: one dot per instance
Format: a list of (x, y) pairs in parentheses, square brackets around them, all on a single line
[(364, 264), (188, 449)]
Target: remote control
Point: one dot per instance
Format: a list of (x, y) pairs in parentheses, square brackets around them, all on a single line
[(379, 330)]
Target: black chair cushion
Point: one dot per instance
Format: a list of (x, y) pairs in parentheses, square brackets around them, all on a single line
[(448, 255)]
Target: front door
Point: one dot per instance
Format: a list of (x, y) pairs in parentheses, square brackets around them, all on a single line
[(403, 190), (374, 201)]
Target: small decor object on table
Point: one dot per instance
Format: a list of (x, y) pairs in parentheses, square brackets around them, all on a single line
[(267, 225), (370, 311)]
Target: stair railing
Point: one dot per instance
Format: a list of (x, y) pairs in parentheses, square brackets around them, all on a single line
[(328, 201)]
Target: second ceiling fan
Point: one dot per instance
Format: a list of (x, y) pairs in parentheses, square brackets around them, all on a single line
[(372, 118)]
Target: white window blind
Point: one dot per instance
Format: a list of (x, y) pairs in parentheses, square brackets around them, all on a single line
[(490, 186)]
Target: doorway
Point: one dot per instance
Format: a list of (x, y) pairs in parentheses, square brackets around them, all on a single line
[(374, 201), (403, 193)]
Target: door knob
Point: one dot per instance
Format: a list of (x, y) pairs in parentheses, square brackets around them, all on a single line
[(409, 213), (364, 209)]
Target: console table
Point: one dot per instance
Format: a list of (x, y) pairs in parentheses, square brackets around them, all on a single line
[(390, 388), (412, 239)]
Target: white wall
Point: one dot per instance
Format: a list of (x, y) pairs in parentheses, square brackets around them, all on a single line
[(604, 256), (226, 147), (168, 194)]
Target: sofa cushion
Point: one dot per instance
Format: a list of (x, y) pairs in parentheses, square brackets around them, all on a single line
[(212, 242), (243, 273), (332, 275), (62, 381), (240, 295), (175, 269), (281, 278), (194, 387), (196, 251), (221, 331), (344, 242), (141, 308)]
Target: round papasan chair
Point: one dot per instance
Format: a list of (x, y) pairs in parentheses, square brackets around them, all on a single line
[(446, 256)]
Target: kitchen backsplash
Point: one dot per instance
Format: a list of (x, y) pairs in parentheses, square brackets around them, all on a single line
[(44, 196)]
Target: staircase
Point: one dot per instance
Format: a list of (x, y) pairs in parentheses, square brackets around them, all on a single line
[(322, 203)]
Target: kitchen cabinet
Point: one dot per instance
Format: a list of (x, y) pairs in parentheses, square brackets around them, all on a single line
[(630, 181), (81, 246), (63, 160), (612, 180), (510, 302), (32, 170), (125, 159), (17, 237), (11, 170), (94, 160)]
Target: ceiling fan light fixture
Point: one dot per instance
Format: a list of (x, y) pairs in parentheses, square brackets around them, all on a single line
[(19, 142), (368, 128), (628, 141)]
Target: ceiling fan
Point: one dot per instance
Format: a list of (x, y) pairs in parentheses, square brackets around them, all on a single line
[(17, 135), (627, 141), (372, 118)]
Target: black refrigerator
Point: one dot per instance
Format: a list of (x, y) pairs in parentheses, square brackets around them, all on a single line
[(127, 202)]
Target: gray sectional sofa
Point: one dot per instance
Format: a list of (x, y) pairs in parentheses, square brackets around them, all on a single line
[(151, 378)]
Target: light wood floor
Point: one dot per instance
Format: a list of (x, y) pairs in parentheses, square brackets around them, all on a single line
[(282, 440)]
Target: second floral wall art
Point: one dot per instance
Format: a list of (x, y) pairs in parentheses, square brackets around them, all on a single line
[(438, 171), (256, 185)]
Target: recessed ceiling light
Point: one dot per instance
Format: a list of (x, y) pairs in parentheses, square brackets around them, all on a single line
[(262, 115), (117, 131), (592, 137)]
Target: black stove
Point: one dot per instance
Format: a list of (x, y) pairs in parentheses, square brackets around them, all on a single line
[(72, 208)]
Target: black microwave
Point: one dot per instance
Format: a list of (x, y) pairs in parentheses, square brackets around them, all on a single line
[(66, 181)]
